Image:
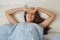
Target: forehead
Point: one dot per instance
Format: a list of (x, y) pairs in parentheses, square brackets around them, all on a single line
[(31, 12)]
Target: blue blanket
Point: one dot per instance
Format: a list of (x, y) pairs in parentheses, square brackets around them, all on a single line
[(21, 31)]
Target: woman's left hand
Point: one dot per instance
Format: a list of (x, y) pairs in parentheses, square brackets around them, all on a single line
[(35, 9)]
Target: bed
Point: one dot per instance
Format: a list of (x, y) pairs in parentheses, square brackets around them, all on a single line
[(52, 34)]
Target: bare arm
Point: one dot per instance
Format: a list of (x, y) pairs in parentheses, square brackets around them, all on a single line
[(47, 21), (10, 13)]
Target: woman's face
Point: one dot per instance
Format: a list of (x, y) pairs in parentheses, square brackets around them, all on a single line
[(30, 15)]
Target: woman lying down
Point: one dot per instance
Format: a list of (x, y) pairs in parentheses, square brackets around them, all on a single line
[(33, 28)]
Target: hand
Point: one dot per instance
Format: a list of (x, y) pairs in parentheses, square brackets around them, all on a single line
[(40, 8), (33, 10), (24, 9)]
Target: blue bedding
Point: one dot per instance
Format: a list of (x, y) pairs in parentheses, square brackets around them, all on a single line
[(22, 31)]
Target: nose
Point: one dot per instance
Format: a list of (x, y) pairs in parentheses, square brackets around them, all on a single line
[(30, 14)]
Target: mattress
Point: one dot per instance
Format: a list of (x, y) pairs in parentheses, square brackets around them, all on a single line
[(52, 35)]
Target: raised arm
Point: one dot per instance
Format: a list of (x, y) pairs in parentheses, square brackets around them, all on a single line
[(47, 21), (10, 13)]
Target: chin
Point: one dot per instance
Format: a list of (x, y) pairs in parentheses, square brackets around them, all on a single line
[(29, 21)]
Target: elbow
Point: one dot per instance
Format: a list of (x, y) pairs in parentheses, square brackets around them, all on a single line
[(8, 13), (54, 15)]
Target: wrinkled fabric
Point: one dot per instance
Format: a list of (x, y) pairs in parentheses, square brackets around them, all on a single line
[(21, 31)]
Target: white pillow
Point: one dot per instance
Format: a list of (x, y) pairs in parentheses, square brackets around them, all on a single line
[(20, 16)]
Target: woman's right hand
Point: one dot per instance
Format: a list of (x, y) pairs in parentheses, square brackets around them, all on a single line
[(24, 9)]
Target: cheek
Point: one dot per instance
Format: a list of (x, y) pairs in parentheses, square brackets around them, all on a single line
[(33, 17), (27, 16)]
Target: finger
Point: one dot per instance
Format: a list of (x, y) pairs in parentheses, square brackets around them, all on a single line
[(32, 8), (35, 10)]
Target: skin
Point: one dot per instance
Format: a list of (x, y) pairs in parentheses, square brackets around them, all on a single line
[(30, 15)]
